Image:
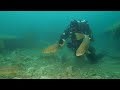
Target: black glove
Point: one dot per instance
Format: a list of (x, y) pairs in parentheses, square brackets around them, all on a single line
[(61, 41)]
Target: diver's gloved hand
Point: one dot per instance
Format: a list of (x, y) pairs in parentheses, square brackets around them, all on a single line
[(61, 42)]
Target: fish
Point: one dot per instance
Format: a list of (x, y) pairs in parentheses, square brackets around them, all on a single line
[(83, 48), (51, 49), (79, 36)]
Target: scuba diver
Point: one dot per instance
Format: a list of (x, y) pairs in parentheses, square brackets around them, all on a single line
[(81, 27)]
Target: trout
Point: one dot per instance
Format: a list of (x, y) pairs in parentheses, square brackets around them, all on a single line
[(83, 48)]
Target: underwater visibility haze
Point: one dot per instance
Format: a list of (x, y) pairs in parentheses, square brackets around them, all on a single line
[(25, 36)]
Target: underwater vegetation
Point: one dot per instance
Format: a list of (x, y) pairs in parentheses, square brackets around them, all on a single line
[(19, 64)]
